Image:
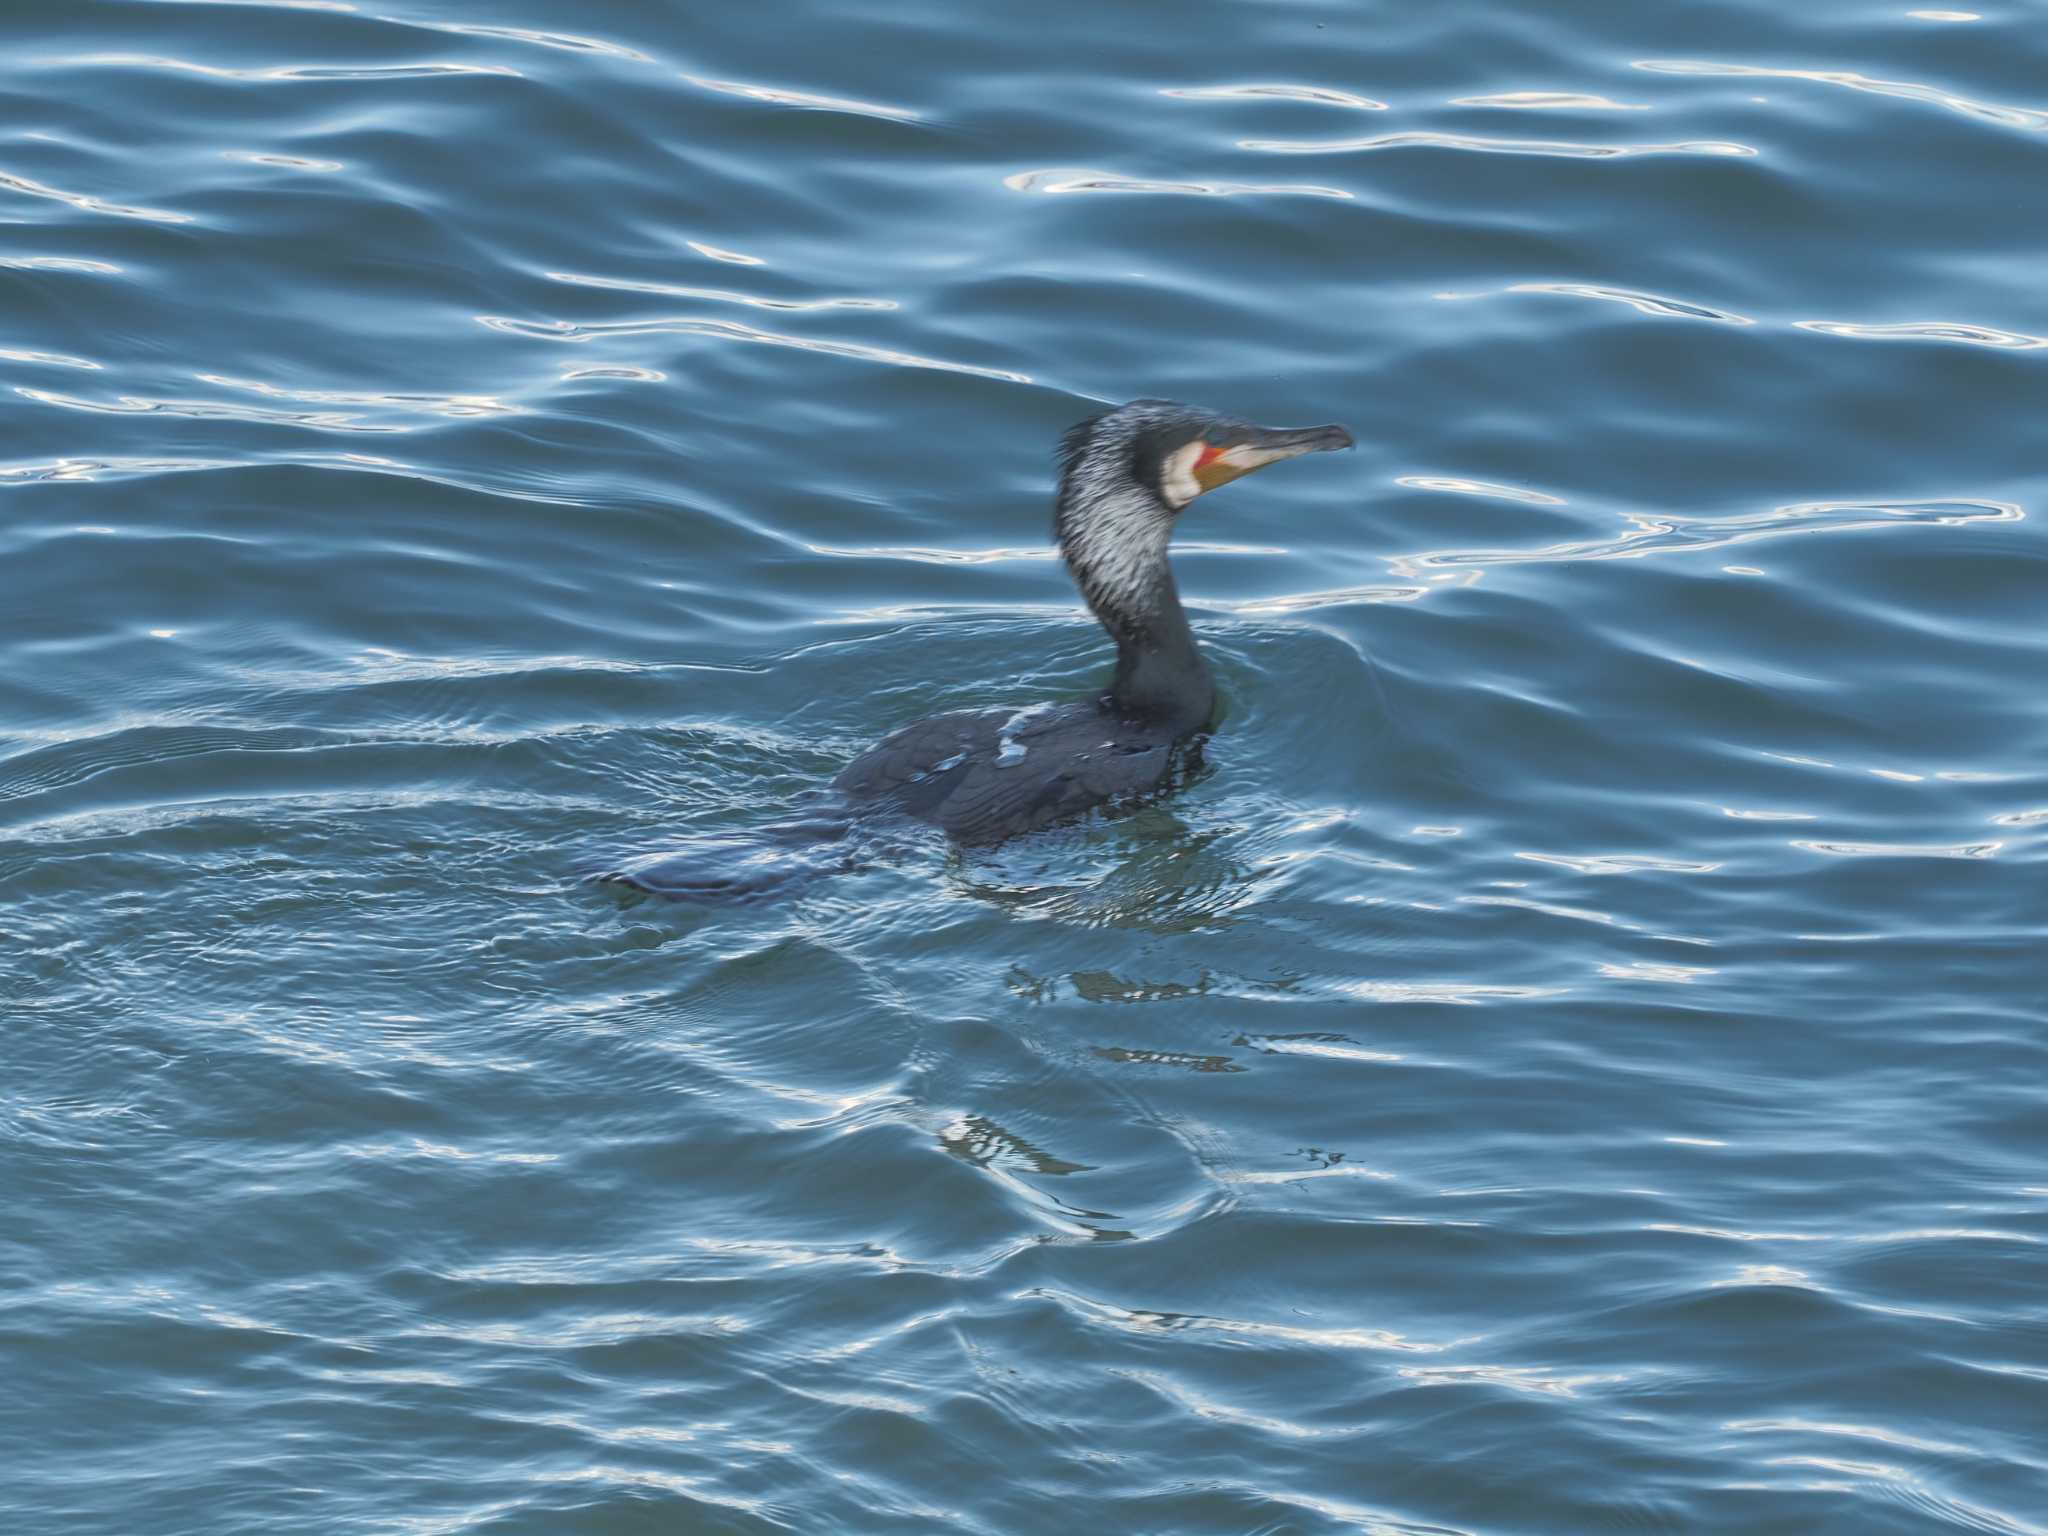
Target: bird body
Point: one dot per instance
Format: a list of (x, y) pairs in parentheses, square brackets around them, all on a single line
[(982, 776)]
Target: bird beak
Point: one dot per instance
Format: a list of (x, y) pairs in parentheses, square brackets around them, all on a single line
[(1266, 445)]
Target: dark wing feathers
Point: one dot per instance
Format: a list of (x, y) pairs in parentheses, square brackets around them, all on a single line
[(986, 776), (908, 757)]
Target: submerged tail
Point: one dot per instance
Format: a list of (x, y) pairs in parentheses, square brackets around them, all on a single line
[(747, 865)]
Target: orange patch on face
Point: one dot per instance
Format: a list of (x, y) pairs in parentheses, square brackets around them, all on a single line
[(1209, 455)]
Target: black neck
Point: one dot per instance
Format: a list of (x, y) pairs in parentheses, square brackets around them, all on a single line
[(1160, 673)]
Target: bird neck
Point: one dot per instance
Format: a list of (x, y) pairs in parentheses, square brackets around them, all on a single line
[(1160, 673), (1114, 542)]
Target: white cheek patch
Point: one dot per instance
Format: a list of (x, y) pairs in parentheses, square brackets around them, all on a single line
[(1177, 483)]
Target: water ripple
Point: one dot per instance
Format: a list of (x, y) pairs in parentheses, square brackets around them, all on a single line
[(1320, 95), (1553, 909), (2011, 117), (121, 468), (1661, 307), (1901, 850), (2033, 818), (566, 41), (341, 7), (1333, 597), (1139, 1320), (435, 404), (804, 99), (57, 264), (1516, 1378), (715, 295), (46, 359), (282, 161), (719, 253), (627, 371), (87, 204), (1621, 863), (1458, 486), (1651, 534), (1056, 182), (733, 330), (213, 410), (1462, 994), (1660, 971), (1876, 1432), (1928, 330), (1642, 303), (1548, 101), (1421, 139), (108, 468), (421, 70)]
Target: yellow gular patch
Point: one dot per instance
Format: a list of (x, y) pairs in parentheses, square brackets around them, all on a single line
[(1213, 467)]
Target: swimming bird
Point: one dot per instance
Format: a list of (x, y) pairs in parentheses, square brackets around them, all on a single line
[(985, 775)]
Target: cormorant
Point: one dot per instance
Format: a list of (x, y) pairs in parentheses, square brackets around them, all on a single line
[(985, 775)]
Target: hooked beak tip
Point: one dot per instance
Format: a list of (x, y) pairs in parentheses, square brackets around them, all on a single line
[(1310, 440)]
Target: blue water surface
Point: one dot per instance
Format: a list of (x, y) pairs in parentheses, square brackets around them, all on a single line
[(1572, 1063)]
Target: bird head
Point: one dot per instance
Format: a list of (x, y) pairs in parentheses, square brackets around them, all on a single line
[(1177, 452), (1126, 475)]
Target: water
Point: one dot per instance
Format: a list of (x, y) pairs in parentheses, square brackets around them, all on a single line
[(1572, 1064)]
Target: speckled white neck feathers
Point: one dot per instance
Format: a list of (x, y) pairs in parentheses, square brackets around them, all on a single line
[(1113, 531)]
